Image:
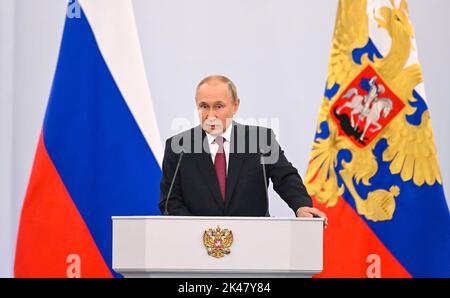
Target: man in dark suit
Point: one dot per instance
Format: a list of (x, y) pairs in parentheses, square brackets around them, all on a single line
[(221, 163)]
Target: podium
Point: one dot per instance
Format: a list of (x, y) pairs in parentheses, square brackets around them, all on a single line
[(236, 247)]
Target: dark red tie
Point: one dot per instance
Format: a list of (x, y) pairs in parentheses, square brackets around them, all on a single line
[(220, 164)]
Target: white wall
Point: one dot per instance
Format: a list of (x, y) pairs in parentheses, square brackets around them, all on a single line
[(276, 51), (7, 218)]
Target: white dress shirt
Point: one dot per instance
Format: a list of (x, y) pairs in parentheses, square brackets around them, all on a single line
[(214, 147)]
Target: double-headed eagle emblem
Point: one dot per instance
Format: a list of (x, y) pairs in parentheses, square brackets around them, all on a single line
[(372, 102), (218, 242)]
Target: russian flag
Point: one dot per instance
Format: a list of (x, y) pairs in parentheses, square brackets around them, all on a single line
[(99, 153)]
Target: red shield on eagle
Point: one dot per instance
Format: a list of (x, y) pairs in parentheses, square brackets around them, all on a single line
[(365, 107)]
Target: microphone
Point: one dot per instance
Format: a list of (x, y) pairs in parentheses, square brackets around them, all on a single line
[(166, 211), (265, 180)]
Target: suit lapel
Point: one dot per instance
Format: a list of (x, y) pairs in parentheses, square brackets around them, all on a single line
[(206, 168), (236, 160)]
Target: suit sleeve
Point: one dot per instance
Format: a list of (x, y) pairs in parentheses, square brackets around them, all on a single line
[(176, 205), (285, 177)]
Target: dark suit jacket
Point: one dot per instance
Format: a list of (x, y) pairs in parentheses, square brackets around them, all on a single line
[(196, 189)]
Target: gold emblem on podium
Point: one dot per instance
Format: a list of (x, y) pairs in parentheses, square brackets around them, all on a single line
[(218, 242)]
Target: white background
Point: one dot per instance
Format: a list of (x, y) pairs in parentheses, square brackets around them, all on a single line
[(276, 51)]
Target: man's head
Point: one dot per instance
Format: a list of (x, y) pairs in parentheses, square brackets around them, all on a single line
[(217, 102)]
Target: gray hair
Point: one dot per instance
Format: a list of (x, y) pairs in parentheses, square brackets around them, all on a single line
[(220, 78)]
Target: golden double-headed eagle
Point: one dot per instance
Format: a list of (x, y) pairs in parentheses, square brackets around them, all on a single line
[(411, 150), (218, 242)]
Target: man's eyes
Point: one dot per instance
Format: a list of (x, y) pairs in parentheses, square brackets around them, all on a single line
[(217, 106)]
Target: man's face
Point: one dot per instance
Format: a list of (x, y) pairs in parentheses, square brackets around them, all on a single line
[(215, 107)]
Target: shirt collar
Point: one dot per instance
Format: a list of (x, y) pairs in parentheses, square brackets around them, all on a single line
[(226, 135)]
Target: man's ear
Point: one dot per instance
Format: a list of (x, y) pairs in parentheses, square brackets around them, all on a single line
[(237, 102)]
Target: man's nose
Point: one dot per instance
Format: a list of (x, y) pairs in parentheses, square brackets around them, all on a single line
[(211, 115)]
